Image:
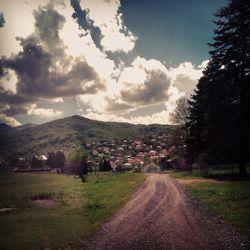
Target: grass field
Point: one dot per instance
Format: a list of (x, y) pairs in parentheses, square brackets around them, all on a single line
[(229, 199), (80, 207)]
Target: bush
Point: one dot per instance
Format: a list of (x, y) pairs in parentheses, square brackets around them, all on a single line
[(77, 164)]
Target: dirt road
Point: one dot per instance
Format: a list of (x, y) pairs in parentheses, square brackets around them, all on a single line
[(161, 215)]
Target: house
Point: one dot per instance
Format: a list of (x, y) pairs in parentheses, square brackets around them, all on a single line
[(136, 161), (106, 150), (127, 166), (39, 161), (152, 153), (94, 153), (88, 146), (120, 150), (100, 149)]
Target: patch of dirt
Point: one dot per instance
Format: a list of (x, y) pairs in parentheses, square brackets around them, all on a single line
[(191, 181), (162, 215), (45, 203)]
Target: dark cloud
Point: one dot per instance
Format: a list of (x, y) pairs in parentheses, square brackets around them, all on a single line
[(145, 111), (117, 107), (81, 17), (48, 22), (14, 104), (185, 84), (43, 69), (2, 20), (152, 91)]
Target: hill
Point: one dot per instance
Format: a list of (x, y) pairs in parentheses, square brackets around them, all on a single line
[(6, 129), (72, 132)]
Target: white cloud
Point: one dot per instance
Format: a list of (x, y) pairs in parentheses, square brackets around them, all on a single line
[(186, 76), (57, 100), (141, 77), (19, 23), (46, 113), (9, 81), (135, 79), (106, 15), (9, 120), (84, 46)]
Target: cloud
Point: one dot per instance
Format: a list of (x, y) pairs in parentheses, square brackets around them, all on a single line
[(9, 80), (105, 17), (186, 76), (9, 120), (184, 83), (82, 18), (117, 107), (150, 84), (145, 92), (153, 90), (42, 68), (69, 52), (57, 100), (2, 20), (47, 113)]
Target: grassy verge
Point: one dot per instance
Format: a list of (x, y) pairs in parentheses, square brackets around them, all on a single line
[(186, 175), (80, 207), (229, 199), (220, 172)]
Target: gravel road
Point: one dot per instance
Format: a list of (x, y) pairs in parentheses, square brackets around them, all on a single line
[(162, 215)]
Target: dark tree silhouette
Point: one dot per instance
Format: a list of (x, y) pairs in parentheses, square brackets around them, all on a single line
[(104, 165), (218, 122), (56, 159), (180, 117), (78, 164)]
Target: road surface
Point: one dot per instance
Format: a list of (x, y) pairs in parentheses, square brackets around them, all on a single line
[(161, 215)]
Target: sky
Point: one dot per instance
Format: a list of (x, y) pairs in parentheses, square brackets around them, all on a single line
[(110, 60)]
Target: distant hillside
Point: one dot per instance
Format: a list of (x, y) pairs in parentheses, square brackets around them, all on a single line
[(71, 132), (6, 129), (25, 126)]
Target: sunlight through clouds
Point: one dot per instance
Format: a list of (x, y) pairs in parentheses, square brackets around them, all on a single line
[(64, 51)]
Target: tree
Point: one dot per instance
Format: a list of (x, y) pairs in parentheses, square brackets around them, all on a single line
[(180, 117), (180, 114), (56, 159), (231, 48), (60, 159), (51, 159), (104, 165), (78, 164), (219, 108)]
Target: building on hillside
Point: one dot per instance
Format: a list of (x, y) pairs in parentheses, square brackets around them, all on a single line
[(94, 153), (39, 161)]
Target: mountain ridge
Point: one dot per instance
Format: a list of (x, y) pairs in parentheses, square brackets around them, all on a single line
[(72, 132)]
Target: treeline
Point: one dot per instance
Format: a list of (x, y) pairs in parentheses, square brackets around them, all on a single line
[(216, 117)]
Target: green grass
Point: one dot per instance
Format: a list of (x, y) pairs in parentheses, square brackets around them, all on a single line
[(81, 207), (185, 175), (214, 172), (229, 200)]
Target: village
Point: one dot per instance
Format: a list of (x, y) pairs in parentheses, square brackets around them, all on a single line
[(146, 153)]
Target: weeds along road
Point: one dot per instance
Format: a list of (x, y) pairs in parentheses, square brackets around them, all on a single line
[(161, 215)]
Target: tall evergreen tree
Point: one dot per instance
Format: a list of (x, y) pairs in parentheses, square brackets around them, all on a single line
[(231, 48), (219, 124)]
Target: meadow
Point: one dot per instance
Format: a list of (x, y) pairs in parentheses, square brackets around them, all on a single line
[(229, 198), (79, 209)]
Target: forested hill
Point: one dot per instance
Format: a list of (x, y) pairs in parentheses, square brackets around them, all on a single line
[(71, 132)]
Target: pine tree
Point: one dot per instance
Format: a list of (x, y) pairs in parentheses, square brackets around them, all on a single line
[(231, 49), (220, 106)]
